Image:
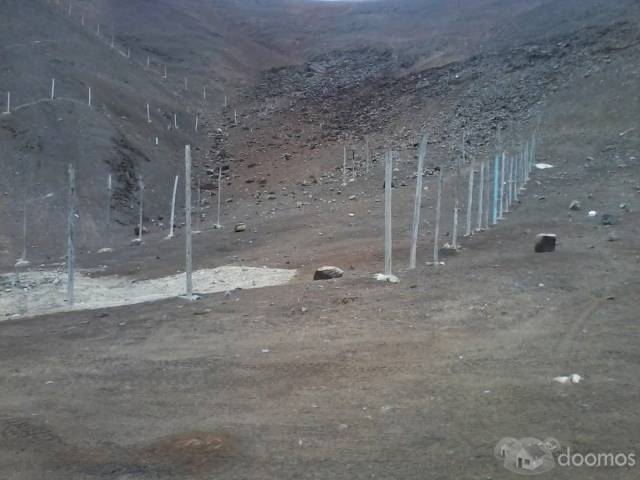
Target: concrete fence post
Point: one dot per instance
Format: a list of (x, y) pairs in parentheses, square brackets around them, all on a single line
[(417, 203), (53, 89), (388, 175), (468, 230), (187, 201), (480, 197), (436, 233), (71, 238)]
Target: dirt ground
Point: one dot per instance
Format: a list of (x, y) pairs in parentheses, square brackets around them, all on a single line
[(353, 378)]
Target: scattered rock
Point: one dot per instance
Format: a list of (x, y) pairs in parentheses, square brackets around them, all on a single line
[(327, 273), (381, 277), (545, 242), (608, 219), (574, 205), (240, 227), (613, 237)]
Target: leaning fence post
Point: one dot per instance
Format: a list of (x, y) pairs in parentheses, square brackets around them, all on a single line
[(71, 237), (53, 88), (388, 172), (480, 197), (173, 207), (196, 126), (436, 233), (417, 204), (468, 230), (187, 200)]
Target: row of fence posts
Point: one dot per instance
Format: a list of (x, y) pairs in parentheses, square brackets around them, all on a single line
[(72, 214), (510, 176)]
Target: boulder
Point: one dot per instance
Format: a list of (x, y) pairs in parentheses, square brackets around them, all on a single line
[(240, 227), (327, 273), (575, 205), (545, 242)]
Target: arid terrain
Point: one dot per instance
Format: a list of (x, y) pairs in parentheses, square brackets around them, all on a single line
[(348, 378)]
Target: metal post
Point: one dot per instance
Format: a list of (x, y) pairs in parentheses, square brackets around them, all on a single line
[(165, 72), (140, 222), (496, 181), (417, 204), (71, 237), (509, 185), (344, 166), (502, 172), (90, 106), (187, 201), (53, 88), (175, 121), (468, 230), (109, 197), (196, 127), (218, 224), (148, 114), (367, 156), (173, 207), (204, 92), (8, 102), (436, 233), (487, 195), (388, 172), (199, 203), (480, 197)]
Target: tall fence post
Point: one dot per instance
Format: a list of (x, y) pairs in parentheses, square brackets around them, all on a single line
[(487, 195), (175, 121), (187, 201), (53, 88), (480, 197), (140, 220), (502, 172), (148, 114), (417, 204), (436, 233), (109, 197), (218, 224), (173, 207), (496, 181), (456, 199), (90, 106), (388, 239), (367, 155), (344, 165), (8, 103), (468, 230), (71, 237)]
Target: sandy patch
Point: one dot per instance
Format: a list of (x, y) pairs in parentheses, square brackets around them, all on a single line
[(38, 292)]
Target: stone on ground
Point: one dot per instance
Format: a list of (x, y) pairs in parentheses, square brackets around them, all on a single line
[(545, 242), (327, 273)]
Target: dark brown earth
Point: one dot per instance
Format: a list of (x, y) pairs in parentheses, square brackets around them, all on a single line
[(351, 378)]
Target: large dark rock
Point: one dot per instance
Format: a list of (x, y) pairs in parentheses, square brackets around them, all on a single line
[(545, 242), (327, 273)]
